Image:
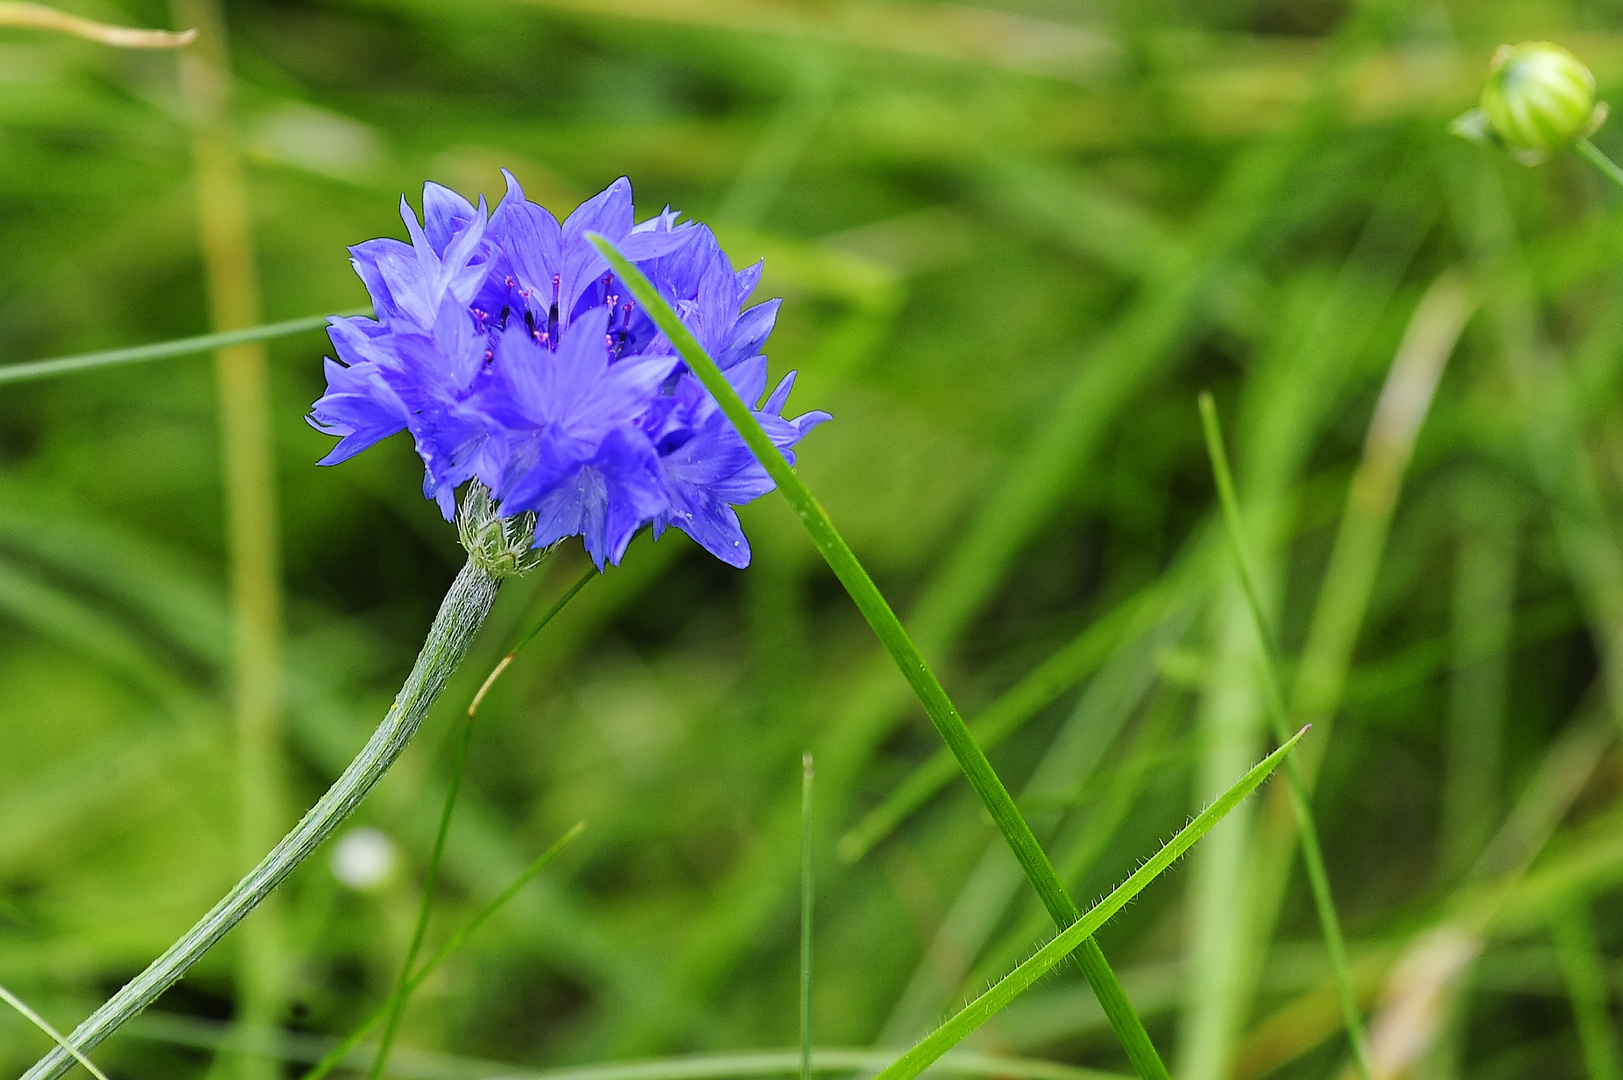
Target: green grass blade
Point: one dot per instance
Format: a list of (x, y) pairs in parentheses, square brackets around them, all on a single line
[(1312, 854), (44, 369), (1073, 662), (1021, 978), (397, 1000), (335, 1057), (403, 988), (915, 669), (1132, 775), (44, 1025), (552, 612)]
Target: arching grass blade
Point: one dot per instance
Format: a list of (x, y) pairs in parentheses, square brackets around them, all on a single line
[(44, 369), (337, 1054), (1021, 978), (911, 662)]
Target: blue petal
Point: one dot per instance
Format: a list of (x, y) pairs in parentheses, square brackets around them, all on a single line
[(445, 213), (609, 212)]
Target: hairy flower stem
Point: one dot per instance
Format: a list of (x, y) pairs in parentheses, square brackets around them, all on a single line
[(460, 616)]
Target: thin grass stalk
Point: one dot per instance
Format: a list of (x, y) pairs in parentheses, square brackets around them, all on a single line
[(1312, 854), (1011, 986), (44, 1025), (1069, 665), (808, 893), (461, 614), (338, 1054), (1372, 498), (397, 1000), (501, 665), (915, 669), (250, 492), (162, 350)]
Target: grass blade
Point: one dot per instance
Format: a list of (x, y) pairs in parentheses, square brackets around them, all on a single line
[(1021, 978), (915, 669), (335, 1057), (40, 1022), (397, 1001), (134, 354), (1072, 663), (501, 665), (1312, 855)]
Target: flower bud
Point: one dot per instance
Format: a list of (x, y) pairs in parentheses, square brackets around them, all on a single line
[(1539, 98), (501, 545)]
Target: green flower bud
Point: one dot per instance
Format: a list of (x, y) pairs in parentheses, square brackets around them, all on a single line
[(1539, 98)]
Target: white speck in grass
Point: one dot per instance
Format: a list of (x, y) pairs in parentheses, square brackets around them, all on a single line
[(364, 859)]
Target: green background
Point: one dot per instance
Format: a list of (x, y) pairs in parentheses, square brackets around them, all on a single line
[(1014, 243)]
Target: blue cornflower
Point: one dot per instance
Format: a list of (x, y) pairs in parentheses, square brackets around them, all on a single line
[(520, 363), (707, 468), (577, 457)]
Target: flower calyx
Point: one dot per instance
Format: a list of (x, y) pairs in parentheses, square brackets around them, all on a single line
[(503, 546)]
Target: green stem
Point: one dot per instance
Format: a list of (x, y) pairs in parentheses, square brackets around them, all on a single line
[(1312, 854), (338, 1054), (1592, 154), (915, 669), (56, 1036), (944, 1038), (397, 1001), (460, 616)]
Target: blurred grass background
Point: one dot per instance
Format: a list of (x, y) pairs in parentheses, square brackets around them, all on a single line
[(1015, 241)]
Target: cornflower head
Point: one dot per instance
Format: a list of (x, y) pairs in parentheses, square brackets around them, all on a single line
[(521, 366)]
